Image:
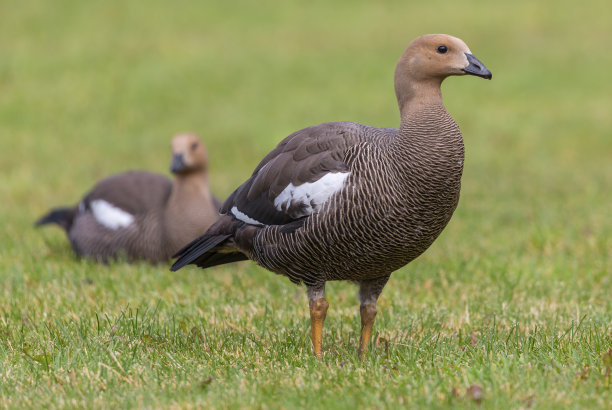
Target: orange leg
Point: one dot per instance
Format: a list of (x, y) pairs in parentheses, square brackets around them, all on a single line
[(368, 314), (318, 311), (369, 291)]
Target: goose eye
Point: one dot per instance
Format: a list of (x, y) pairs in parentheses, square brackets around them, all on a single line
[(194, 146), (442, 49)]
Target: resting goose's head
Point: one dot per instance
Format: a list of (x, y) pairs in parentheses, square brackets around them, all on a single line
[(188, 154)]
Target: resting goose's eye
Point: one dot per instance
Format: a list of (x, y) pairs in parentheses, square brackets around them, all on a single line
[(194, 146), (442, 49)]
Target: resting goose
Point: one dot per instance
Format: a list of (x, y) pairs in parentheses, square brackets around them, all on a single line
[(347, 201), (140, 215)]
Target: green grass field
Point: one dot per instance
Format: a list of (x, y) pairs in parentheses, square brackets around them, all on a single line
[(511, 307)]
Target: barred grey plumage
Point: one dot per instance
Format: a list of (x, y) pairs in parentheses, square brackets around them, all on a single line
[(139, 215), (395, 203), (346, 201)]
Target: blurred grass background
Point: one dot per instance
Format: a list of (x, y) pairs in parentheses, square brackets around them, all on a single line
[(514, 297)]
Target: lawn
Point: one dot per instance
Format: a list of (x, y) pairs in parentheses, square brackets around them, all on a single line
[(510, 307)]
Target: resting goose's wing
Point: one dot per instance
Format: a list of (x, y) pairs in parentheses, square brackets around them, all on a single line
[(295, 179), (134, 192)]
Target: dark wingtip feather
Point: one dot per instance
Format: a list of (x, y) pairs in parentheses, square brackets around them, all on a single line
[(196, 249), (186, 248), (182, 262), (213, 259), (61, 216)]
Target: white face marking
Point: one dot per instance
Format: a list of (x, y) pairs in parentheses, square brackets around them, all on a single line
[(467, 63), (311, 194), (466, 50), (244, 217), (109, 215)]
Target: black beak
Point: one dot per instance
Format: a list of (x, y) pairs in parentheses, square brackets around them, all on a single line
[(475, 67), (178, 163)]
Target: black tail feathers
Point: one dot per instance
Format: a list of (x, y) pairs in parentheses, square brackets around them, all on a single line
[(196, 249), (61, 216), (215, 247)]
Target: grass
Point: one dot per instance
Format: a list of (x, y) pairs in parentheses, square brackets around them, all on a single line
[(510, 307)]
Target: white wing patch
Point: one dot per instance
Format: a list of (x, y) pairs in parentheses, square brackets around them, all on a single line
[(310, 195), (244, 217), (109, 215)]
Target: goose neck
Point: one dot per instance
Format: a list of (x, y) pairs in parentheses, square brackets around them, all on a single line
[(189, 185)]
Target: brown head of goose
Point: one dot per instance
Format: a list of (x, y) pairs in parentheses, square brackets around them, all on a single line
[(140, 215), (346, 201)]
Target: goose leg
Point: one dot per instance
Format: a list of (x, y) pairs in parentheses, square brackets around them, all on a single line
[(368, 296), (318, 310)]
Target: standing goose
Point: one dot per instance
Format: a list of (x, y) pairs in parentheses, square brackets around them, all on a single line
[(140, 215), (346, 201)]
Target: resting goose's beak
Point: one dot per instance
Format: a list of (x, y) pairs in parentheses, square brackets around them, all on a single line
[(475, 67), (178, 163)]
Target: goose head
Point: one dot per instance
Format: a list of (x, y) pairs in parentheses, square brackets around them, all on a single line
[(188, 154), (428, 60)]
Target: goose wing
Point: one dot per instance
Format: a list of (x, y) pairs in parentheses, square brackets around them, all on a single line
[(134, 192), (295, 179)]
